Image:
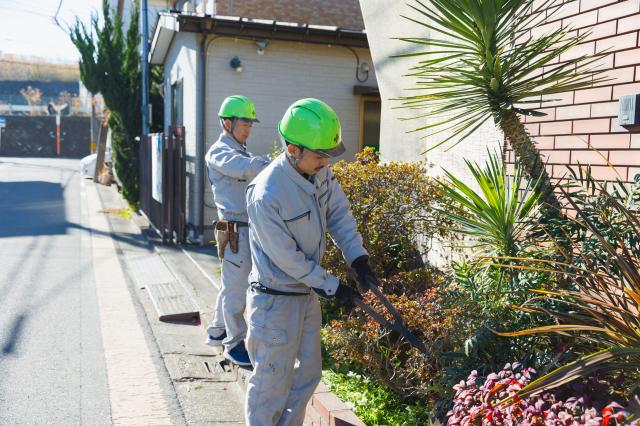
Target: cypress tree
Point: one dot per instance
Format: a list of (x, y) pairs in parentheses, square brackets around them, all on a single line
[(110, 65)]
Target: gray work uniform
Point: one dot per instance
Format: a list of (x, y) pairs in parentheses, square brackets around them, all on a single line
[(230, 169), (288, 217)]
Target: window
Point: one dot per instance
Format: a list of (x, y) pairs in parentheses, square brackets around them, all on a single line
[(370, 122), (176, 104)]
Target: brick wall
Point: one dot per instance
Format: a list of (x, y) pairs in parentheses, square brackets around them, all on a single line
[(340, 13), (581, 127)]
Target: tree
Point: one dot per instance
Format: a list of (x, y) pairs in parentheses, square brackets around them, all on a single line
[(483, 64), (33, 96), (110, 65)]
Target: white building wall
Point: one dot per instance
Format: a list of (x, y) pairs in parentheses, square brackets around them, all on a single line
[(286, 72), (383, 22)]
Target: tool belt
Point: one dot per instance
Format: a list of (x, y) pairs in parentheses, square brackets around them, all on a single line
[(262, 289), (227, 233)]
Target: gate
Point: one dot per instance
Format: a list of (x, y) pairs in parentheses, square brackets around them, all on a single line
[(163, 183)]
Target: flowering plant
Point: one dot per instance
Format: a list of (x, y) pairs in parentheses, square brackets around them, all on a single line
[(580, 403)]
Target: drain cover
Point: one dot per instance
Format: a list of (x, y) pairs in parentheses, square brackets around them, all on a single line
[(195, 367), (172, 302)]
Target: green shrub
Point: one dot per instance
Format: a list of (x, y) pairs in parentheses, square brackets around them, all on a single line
[(434, 315), (396, 209), (373, 403), (395, 206)]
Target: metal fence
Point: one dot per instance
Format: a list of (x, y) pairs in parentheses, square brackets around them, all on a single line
[(163, 183)]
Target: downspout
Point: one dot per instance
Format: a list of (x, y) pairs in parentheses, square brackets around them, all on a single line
[(200, 139), (145, 68)]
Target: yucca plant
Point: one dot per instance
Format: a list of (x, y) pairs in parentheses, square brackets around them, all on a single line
[(604, 308), (495, 219), (498, 215), (480, 65)]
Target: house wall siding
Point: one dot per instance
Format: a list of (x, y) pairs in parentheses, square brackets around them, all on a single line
[(581, 126), (340, 13), (286, 72)]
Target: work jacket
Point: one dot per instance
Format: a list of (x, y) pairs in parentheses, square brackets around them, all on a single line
[(230, 168), (288, 219)]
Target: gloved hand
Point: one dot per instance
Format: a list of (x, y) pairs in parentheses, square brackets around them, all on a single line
[(366, 277), (344, 294)]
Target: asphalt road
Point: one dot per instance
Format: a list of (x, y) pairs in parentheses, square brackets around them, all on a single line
[(52, 365)]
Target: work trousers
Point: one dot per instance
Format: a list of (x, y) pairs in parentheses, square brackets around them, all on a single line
[(284, 347), (231, 300)]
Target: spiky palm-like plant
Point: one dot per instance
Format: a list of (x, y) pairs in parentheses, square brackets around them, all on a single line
[(479, 64), (498, 216)]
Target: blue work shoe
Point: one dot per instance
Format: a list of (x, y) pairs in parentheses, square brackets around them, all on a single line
[(238, 355), (217, 340)]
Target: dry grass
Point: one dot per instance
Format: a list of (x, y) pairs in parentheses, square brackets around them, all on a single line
[(27, 68)]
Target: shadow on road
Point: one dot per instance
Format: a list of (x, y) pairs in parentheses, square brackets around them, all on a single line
[(31, 208), (34, 208), (14, 335)]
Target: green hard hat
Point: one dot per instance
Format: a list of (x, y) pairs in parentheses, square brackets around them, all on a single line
[(312, 124), (237, 106)]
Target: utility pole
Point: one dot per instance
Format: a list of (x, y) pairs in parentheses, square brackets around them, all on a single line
[(145, 70), (120, 9), (58, 135)]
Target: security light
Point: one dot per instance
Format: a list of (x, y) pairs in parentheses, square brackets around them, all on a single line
[(262, 45), (363, 70)]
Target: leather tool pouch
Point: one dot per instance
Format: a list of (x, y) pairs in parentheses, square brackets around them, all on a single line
[(222, 236)]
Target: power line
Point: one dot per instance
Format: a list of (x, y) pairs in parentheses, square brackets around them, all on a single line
[(12, 7), (27, 11), (55, 17)]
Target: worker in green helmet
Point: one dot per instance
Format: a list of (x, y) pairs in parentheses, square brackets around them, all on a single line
[(291, 205), (230, 169)]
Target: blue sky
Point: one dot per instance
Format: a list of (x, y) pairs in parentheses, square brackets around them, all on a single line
[(27, 27)]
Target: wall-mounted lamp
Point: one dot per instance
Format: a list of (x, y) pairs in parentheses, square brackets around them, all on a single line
[(262, 45), (236, 64), (363, 70)]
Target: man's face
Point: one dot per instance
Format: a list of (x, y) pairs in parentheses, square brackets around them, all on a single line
[(242, 131), (308, 162)]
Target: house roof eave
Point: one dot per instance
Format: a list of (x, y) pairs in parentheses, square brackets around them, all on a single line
[(166, 29), (234, 26)]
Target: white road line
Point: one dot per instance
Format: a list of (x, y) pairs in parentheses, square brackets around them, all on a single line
[(134, 387)]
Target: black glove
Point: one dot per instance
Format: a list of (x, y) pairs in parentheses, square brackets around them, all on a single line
[(366, 277), (344, 294)]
